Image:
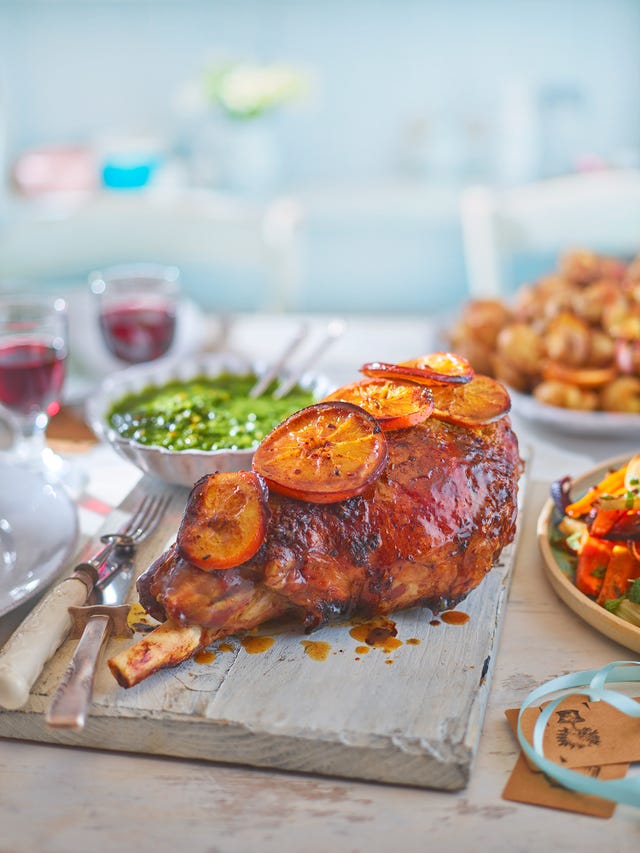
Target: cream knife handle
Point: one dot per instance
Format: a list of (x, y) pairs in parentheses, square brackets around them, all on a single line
[(36, 639), (68, 709)]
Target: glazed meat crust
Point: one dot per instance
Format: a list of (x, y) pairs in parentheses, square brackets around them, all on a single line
[(425, 533)]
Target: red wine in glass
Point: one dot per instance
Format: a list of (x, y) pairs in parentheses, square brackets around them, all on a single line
[(136, 308), (136, 332), (31, 376), (33, 352)]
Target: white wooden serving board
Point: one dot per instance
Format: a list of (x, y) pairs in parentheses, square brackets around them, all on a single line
[(415, 721)]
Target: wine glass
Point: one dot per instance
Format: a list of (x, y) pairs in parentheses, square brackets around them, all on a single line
[(33, 353), (137, 307)]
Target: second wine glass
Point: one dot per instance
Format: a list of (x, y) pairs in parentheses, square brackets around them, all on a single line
[(137, 310), (33, 353)]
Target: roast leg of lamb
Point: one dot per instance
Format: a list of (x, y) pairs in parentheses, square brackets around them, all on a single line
[(426, 532)]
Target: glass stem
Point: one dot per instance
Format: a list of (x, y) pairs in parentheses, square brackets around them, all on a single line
[(29, 441)]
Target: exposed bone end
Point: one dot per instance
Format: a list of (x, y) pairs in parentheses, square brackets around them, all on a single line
[(167, 645)]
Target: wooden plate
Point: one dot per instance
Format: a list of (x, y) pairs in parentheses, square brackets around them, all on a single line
[(558, 570)]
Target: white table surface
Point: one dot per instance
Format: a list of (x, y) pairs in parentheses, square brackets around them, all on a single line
[(61, 799)]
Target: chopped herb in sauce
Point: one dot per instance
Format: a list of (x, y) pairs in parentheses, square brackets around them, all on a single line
[(204, 413)]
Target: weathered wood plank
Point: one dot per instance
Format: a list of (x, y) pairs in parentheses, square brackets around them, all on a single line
[(412, 716)]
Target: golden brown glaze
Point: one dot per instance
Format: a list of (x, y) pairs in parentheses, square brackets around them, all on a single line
[(425, 533)]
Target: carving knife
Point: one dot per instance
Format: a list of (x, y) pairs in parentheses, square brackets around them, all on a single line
[(94, 624)]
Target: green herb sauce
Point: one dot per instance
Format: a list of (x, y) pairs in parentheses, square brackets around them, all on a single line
[(204, 413)]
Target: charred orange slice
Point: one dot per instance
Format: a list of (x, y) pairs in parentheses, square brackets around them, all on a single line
[(481, 401), (394, 404), (435, 368), (324, 453), (225, 520)]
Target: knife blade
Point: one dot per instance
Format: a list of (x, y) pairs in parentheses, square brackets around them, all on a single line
[(94, 624), (41, 632)]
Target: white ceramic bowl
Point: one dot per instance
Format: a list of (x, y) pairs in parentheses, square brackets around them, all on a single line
[(182, 467)]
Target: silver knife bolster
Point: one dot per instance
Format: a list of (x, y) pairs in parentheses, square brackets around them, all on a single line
[(37, 638), (118, 614), (68, 708)]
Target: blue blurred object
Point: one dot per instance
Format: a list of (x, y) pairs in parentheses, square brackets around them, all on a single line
[(128, 172)]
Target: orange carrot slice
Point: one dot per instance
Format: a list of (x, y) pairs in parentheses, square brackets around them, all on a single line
[(593, 559), (622, 569), (612, 484)]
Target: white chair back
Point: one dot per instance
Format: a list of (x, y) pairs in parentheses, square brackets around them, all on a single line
[(598, 211)]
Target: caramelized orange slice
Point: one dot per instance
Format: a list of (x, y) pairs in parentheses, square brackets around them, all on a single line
[(324, 453), (435, 368), (225, 520), (481, 401), (394, 404)]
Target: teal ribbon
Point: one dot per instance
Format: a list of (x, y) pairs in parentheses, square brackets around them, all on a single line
[(591, 683)]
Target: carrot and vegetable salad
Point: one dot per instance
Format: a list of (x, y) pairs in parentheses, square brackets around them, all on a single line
[(601, 529)]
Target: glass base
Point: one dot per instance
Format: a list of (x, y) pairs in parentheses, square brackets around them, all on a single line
[(53, 469), (23, 445)]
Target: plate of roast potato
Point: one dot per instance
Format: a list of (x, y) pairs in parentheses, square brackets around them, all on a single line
[(567, 345)]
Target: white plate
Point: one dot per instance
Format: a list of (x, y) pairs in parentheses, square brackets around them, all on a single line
[(558, 568), (572, 422), (38, 532)]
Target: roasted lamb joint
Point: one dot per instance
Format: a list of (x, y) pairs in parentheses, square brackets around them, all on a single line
[(426, 532)]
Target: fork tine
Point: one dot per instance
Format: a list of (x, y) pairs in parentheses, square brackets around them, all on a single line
[(141, 524), (154, 513), (132, 524), (137, 516)]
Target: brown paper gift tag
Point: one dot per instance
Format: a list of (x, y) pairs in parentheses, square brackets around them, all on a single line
[(534, 788), (528, 784), (583, 734)]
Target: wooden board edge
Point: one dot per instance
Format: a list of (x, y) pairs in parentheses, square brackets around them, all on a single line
[(236, 745)]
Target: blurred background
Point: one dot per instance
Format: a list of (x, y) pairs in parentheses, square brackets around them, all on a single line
[(293, 155)]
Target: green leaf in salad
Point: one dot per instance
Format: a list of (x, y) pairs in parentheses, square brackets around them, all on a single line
[(626, 608), (633, 593), (573, 541)]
